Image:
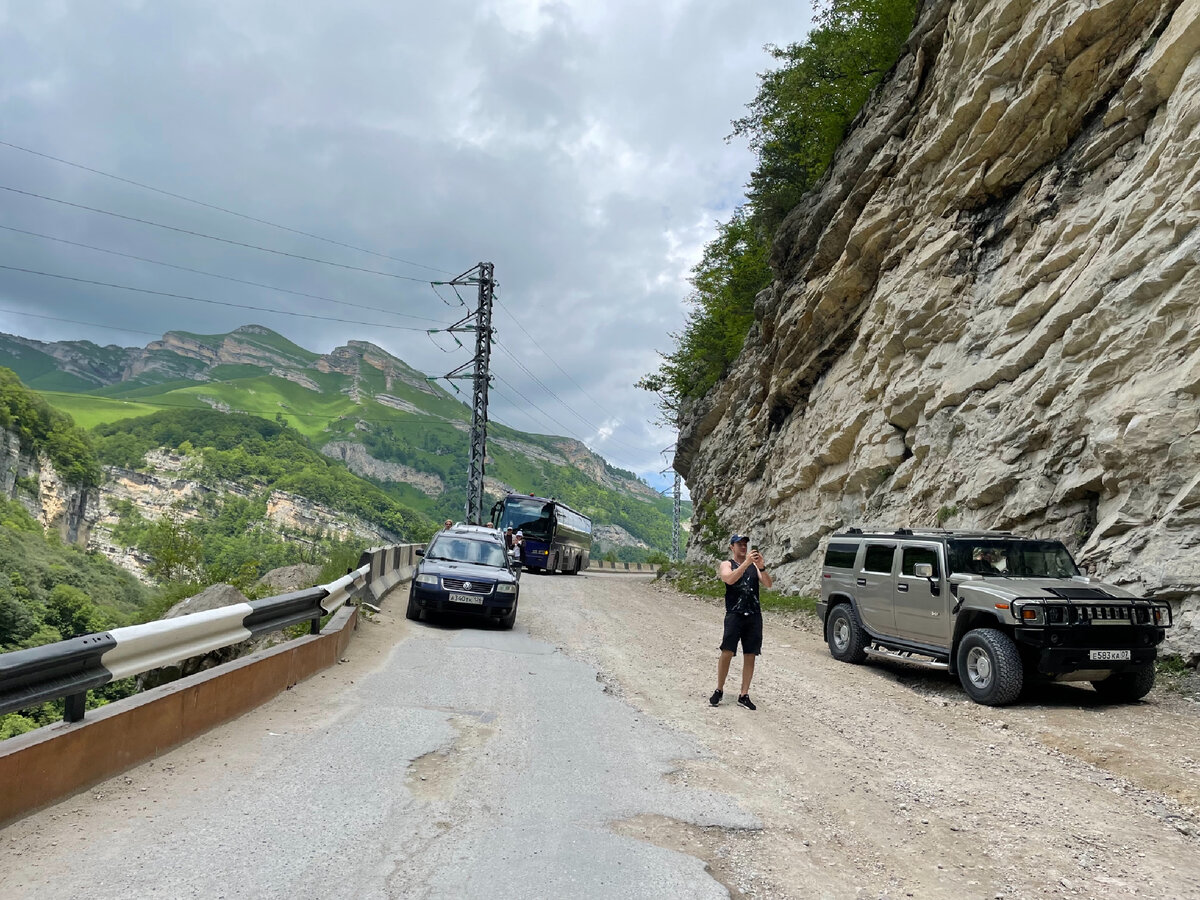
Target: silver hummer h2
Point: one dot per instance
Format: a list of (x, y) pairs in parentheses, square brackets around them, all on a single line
[(995, 609)]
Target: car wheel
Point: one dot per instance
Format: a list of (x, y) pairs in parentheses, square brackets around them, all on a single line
[(1126, 687), (989, 667), (847, 639), (507, 622), (413, 612)]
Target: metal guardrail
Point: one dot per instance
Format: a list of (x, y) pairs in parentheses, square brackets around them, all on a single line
[(69, 669)]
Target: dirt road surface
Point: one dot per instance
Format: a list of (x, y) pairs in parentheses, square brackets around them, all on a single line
[(873, 781), (882, 780)]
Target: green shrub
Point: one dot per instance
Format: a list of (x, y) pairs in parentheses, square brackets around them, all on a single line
[(794, 124)]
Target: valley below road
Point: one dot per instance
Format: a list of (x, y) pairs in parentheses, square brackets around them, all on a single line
[(577, 756)]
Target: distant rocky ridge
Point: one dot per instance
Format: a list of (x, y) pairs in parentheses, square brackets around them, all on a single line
[(360, 371), (986, 313)]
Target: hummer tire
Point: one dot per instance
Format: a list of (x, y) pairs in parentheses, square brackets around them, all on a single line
[(1126, 687), (989, 667), (847, 639)]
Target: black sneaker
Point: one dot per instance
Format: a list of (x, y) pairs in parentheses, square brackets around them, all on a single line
[(744, 700), (716, 697)]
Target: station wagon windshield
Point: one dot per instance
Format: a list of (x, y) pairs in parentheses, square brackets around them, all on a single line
[(1010, 559), (460, 549)]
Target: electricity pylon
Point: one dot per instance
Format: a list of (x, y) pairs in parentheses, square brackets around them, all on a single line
[(480, 321)]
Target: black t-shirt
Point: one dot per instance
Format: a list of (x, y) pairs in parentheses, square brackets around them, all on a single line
[(742, 595)]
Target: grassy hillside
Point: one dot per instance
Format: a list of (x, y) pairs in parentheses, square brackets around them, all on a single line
[(358, 394)]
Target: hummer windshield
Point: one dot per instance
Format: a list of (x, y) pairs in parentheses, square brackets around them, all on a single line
[(1000, 558)]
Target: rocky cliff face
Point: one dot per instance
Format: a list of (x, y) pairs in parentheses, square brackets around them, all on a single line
[(986, 314), (165, 486), (67, 510)]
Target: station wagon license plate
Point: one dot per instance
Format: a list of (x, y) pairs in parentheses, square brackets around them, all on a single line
[(1108, 655), (478, 601)]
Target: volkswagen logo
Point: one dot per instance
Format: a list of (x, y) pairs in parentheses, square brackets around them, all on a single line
[(466, 585)]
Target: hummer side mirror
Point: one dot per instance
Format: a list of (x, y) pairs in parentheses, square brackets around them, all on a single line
[(925, 570)]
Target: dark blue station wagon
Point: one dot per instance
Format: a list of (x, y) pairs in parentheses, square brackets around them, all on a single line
[(466, 570)]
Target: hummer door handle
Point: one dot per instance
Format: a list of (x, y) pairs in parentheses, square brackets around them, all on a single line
[(902, 587), (862, 582)]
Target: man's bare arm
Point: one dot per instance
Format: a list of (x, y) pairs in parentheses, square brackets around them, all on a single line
[(728, 574)]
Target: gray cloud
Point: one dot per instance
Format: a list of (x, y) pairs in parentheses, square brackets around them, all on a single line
[(578, 146)]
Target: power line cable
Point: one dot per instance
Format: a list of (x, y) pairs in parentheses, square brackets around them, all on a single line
[(279, 312), (566, 406), (211, 237), (222, 209), (532, 406), (21, 312), (553, 422), (158, 262), (517, 321)]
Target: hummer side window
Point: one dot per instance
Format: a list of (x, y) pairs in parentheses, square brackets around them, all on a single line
[(841, 556), (879, 559), (914, 555)]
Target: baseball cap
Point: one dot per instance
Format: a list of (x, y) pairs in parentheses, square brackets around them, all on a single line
[(738, 538)]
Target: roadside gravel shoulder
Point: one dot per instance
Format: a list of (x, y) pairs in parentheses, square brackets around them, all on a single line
[(883, 780)]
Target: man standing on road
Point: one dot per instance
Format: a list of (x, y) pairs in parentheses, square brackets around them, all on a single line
[(743, 615)]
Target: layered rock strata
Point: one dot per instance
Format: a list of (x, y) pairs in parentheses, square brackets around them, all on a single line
[(68, 510), (986, 313)]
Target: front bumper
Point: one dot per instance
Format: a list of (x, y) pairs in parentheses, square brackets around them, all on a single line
[(435, 599), (1060, 651)]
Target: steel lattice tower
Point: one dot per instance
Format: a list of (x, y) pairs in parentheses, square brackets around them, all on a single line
[(675, 523), (480, 322)]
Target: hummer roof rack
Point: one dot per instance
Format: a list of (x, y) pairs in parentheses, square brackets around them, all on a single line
[(939, 532)]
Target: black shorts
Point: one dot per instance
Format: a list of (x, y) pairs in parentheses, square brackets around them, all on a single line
[(747, 629)]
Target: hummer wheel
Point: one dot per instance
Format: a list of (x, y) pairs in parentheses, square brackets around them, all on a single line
[(989, 667), (1126, 687), (846, 636)]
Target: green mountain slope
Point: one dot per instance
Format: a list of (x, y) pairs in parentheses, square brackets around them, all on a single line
[(386, 420)]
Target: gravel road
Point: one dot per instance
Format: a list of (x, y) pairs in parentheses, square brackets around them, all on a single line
[(443, 761), (883, 780)]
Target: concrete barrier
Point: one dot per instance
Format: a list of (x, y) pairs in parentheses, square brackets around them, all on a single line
[(600, 565)]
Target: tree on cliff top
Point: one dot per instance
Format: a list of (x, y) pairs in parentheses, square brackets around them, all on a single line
[(42, 429), (795, 123)]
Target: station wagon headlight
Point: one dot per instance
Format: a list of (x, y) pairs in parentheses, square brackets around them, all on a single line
[(506, 589), (427, 579)]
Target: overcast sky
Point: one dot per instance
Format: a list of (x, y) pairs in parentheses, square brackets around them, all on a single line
[(579, 146)]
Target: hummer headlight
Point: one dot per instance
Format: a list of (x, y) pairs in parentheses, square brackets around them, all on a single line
[(1030, 613)]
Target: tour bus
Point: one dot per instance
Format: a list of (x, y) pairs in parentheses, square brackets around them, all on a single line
[(556, 537)]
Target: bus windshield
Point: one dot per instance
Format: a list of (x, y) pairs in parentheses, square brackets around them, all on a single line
[(999, 558), (530, 517)]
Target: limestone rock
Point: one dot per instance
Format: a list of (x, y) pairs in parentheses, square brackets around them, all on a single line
[(65, 509), (290, 578), (360, 462), (985, 314)]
